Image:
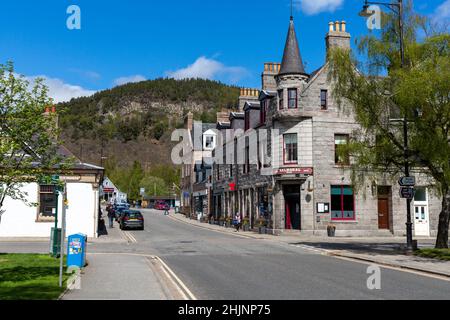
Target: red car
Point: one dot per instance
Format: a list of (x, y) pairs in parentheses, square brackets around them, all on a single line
[(161, 205)]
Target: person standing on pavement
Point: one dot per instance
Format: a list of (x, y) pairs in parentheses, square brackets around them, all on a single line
[(237, 219), (110, 211)]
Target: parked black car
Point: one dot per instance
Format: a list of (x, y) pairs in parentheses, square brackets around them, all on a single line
[(131, 219)]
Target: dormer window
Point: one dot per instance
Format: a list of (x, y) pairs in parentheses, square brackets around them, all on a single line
[(209, 142), (292, 99)]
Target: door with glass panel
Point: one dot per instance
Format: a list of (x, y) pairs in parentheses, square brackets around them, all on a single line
[(421, 214)]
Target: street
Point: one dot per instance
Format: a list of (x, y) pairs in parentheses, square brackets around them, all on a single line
[(221, 266), (215, 265)]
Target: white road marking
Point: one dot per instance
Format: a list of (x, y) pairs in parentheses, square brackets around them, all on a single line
[(129, 237), (189, 295)]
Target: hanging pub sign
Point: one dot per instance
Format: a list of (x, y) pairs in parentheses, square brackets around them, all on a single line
[(295, 170), (232, 186)]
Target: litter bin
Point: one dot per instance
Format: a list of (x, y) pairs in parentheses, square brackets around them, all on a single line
[(76, 251), (55, 242)]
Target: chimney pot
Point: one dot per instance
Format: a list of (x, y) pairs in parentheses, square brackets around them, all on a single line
[(331, 26), (336, 26), (343, 26)]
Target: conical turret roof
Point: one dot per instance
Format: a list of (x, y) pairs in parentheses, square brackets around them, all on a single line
[(292, 60)]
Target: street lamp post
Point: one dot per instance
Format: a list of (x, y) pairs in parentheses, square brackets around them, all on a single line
[(397, 8)]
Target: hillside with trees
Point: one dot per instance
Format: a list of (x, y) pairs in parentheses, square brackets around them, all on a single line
[(127, 129), (133, 122)]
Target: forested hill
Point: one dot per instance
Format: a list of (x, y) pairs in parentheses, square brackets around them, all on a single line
[(134, 121)]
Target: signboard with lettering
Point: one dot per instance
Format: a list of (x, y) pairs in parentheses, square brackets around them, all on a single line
[(407, 181), (407, 193), (295, 170), (323, 207)]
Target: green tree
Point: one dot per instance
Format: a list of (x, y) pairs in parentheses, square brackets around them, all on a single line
[(169, 173), (380, 89), (133, 179), (28, 138), (154, 186)]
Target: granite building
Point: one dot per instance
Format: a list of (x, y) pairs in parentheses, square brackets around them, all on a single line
[(276, 157)]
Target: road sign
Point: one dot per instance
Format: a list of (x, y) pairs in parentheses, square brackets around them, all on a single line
[(142, 191), (407, 181), (407, 192)]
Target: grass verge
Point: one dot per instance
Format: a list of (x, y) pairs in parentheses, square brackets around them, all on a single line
[(441, 254), (30, 277)]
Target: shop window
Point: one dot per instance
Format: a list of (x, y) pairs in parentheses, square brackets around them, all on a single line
[(342, 203)]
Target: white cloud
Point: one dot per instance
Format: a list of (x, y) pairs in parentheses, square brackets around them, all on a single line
[(442, 13), (123, 80), (91, 75), (209, 69), (60, 91), (311, 7)]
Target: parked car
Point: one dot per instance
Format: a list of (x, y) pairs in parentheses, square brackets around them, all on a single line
[(161, 205), (118, 212), (131, 219)]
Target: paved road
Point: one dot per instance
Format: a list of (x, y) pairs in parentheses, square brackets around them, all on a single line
[(215, 265)]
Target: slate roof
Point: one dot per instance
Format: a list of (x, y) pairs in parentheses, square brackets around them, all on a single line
[(292, 60)]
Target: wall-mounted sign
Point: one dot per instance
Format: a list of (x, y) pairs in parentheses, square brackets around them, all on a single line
[(323, 207), (232, 186), (295, 170)]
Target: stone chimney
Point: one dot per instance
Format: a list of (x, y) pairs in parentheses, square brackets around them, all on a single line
[(223, 116), (247, 94), (268, 76), (189, 121), (337, 36)]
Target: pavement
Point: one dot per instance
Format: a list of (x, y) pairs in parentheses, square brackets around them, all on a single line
[(183, 259)]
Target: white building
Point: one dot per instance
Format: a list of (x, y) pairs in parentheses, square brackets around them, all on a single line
[(110, 191), (82, 215)]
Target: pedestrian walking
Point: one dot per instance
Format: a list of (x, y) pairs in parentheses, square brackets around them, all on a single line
[(110, 211)]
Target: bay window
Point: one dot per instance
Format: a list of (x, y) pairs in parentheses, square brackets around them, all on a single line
[(292, 99)]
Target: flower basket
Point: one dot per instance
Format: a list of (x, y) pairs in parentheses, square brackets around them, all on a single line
[(261, 224), (331, 230), (246, 224)]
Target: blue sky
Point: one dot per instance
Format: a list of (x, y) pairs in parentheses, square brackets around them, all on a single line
[(132, 40)]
